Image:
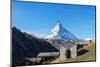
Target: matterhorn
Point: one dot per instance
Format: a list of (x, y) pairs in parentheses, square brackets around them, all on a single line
[(59, 32)]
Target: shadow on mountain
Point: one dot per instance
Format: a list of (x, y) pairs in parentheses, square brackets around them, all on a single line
[(81, 52), (25, 45)]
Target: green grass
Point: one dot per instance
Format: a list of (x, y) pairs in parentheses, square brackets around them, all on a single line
[(89, 56)]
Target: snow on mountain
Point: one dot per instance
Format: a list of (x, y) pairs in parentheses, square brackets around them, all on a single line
[(59, 32), (30, 35), (89, 39)]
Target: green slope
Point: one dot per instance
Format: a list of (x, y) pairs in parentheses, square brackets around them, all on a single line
[(88, 56)]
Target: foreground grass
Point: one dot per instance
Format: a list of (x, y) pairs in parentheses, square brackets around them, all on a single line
[(89, 56)]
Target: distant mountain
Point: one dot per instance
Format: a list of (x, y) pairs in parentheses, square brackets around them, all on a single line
[(59, 32), (32, 35), (25, 45)]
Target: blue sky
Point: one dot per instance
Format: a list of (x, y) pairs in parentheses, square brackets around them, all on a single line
[(40, 18)]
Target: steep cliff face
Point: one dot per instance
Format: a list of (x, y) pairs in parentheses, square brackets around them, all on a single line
[(59, 32)]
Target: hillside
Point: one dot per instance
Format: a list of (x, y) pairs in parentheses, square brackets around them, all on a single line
[(27, 46), (89, 55)]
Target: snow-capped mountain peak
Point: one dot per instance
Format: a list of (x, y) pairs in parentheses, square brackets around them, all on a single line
[(57, 27), (59, 32)]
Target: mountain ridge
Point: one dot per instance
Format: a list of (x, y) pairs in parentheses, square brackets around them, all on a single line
[(59, 32)]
